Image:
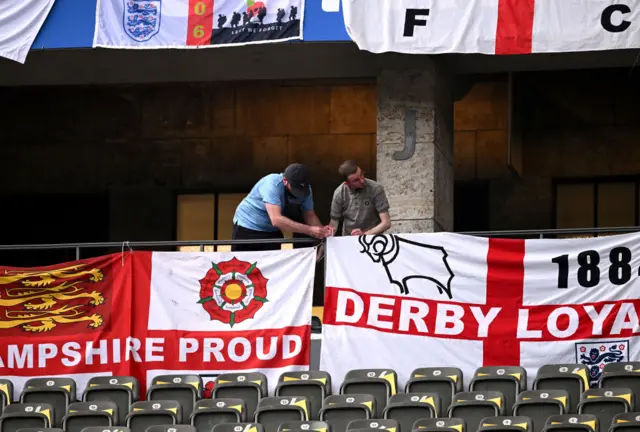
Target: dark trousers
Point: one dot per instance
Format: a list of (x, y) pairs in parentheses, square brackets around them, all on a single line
[(242, 233)]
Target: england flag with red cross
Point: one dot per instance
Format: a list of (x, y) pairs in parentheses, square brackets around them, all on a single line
[(437, 300)]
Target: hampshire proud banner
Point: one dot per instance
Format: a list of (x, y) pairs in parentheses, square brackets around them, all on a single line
[(146, 314), (148, 24), (423, 300), (492, 26)]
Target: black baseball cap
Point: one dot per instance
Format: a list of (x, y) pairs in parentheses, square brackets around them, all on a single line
[(298, 177)]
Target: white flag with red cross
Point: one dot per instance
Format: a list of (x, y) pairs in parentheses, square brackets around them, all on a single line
[(153, 313), (436, 300), (492, 26)]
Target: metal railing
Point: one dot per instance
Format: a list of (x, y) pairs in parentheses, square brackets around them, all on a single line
[(201, 244)]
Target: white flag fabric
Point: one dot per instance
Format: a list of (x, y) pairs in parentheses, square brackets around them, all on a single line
[(404, 302), (20, 22), (492, 26), (146, 314), (149, 24)]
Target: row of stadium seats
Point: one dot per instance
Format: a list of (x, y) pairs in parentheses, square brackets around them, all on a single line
[(628, 422), (442, 383)]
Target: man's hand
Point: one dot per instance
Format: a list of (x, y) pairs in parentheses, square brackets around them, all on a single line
[(329, 230), (357, 232), (318, 232)]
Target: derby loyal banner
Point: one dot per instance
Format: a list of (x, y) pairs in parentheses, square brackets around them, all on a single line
[(146, 314), (492, 26), (150, 24), (422, 300)]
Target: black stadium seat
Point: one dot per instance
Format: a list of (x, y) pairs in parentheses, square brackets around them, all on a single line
[(378, 424), (58, 392), (339, 410), (314, 385), (497, 424), (440, 425), (627, 422), (304, 426), (444, 381), (6, 393), (186, 389), (122, 390), (210, 412), (88, 414), (606, 403), (539, 405), (572, 423), (509, 380), (26, 415), (380, 383), (238, 427), (474, 406), (407, 408), (150, 413), (272, 411), (570, 377), (250, 387), (171, 428), (621, 375), (105, 429)]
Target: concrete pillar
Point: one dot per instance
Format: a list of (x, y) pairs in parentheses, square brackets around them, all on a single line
[(420, 187)]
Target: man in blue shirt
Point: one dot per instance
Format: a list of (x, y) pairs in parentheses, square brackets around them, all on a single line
[(278, 202)]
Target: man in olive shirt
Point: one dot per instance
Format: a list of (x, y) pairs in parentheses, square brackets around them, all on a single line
[(360, 203)]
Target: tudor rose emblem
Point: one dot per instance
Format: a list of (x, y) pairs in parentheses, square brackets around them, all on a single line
[(233, 291), (141, 19)]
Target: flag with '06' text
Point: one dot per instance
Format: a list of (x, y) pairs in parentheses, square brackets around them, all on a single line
[(404, 302)]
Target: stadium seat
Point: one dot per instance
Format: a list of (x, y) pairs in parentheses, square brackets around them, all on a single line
[(407, 408), (378, 424), (380, 383), (339, 410), (509, 380), (186, 389), (304, 426), (88, 414), (250, 387), (150, 413), (572, 423), (171, 428), (26, 415), (272, 411), (621, 375), (570, 377), (444, 381), (44, 430), (58, 392), (210, 412), (104, 429), (606, 403), (516, 423), (6, 393), (314, 385), (238, 427), (475, 406), (626, 422), (439, 425), (123, 390), (539, 405)]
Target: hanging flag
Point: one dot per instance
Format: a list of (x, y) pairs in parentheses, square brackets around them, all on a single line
[(145, 314), (147, 24), (432, 300), (20, 22), (492, 26)]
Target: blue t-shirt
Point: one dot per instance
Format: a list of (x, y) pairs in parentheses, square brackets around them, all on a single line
[(252, 212)]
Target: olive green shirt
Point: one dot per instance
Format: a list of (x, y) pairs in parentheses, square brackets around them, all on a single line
[(359, 208)]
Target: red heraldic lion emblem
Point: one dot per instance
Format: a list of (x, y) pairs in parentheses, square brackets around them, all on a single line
[(233, 291)]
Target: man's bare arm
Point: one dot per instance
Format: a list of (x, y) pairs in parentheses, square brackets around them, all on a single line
[(385, 224), (311, 218), (282, 222)]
